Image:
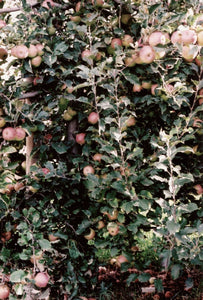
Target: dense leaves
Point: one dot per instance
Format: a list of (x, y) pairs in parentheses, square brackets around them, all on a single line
[(70, 203)]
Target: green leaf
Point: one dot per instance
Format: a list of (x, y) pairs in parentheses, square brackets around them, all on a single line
[(59, 147), (175, 271), (153, 8), (159, 285), (17, 276), (172, 226), (144, 277), (8, 150), (44, 244), (50, 59), (131, 278)]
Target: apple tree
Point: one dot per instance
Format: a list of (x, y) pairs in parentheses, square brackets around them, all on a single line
[(101, 141)]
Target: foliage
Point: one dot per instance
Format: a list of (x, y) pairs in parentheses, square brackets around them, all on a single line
[(148, 170)]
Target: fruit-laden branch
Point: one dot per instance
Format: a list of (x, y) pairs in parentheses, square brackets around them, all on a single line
[(32, 5)]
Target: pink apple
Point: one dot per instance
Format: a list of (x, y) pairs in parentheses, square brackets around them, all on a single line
[(113, 228), (189, 52), (41, 279), (137, 87), (93, 118), (176, 37), (189, 37), (88, 170), (40, 48), (90, 235), (147, 54), (86, 54), (158, 37), (9, 134), (19, 134), (2, 24), (80, 138), (4, 291), (20, 51), (97, 157), (116, 42)]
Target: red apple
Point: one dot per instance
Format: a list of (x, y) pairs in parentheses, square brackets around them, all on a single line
[(97, 157), (3, 54), (120, 260), (112, 216), (137, 87), (41, 279), (4, 291), (45, 171), (88, 170), (93, 118), (147, 54), (36, 61), (20, 51), (113, 228), (52, 237), (200, 38), (189, 37), (131, 121), (19, 134), (86, 54), (176, 37), (200, 98), (101, 224), (9, 134), (32, 51), (154, 90), (80, 138), (2, 122), (90, 235), (199, 189), (116, 42), (158, 37)]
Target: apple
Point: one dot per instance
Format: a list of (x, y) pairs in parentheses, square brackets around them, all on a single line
[(189, 52), (200, 38), (115, 43), (168, 295), (127, 40), (113, 228), (130, 61), (120, 260), (36, 61), (78, 6), (2, 122), (80, 138), (200, 98), (86, 54), (40, 48), (75, 19), (3, 54), (189, 37), (137, 87), (112, 216), (4, 291), (93, 118), (97, 157), (90, 235), (88, 170), (52, 237), (101, 224), (18, 186), (199, 60), (154, 90), (9, 134), (20, 51), (45, 171), (2, 24), (66, 116), (147, 54), (32, 51), (199, 189), (19, 134), (176, 37), (71, 111), (36, 257), (23, 165), (41, 279), (131, 121), (125, 18), (158, 37), (6, 235), (146, 84), (156, 297), (152, 280)]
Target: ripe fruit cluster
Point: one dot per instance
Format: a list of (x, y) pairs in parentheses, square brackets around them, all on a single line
[(34, 52), (13, 134)]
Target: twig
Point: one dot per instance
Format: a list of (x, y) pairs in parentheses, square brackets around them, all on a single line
[(29, 95)]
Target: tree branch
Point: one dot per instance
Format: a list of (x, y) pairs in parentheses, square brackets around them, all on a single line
[(29, 95)]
